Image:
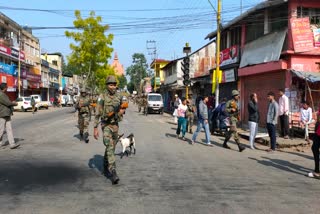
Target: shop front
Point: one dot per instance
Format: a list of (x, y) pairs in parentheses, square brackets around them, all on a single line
[(30, 83)]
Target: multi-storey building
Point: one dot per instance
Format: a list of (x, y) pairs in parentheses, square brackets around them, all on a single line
[(278, 42), (19, 57)]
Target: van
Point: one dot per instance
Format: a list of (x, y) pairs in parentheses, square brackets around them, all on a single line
[(155, 103), (66, 100)]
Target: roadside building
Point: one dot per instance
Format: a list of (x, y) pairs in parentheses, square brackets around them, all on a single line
[(157, 65), (278, 47)]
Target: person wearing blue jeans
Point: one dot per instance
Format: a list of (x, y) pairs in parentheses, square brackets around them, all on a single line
[(182, 120), (272, 119), (202, 112)]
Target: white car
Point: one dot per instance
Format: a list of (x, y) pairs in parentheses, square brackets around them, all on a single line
[(24, 104)]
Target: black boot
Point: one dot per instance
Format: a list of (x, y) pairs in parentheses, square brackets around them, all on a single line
[(86, 137), (241, 147), (225, 145), (115, 179), (106, 171), (81, 135)]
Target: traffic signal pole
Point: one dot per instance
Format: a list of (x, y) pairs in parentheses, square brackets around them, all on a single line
[(217, 76), (185, 68)]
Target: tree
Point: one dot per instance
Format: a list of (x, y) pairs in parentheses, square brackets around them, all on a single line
[(138, 70), (122, 81), (91, 50)]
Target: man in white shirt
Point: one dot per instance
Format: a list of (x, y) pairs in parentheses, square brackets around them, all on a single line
[(284, 114), (306, 118)]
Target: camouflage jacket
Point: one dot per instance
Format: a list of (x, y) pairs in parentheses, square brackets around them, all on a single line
[(107, 110), (234, 115), (84, 102)]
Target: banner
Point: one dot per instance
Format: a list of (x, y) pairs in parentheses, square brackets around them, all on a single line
[(8, 69), (302, 35), (229, 56), (316, 34), (202, 61)]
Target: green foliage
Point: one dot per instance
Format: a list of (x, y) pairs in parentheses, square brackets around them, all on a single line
[(138, 70), (122, 81), (130, 87), (91, 50)]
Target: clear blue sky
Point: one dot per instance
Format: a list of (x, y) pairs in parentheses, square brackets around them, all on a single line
[(171, 23)]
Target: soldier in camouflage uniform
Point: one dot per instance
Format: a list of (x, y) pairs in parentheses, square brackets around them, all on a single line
[(139, 102), (83, 115), (233, 111), (110, 110), (144, 104)]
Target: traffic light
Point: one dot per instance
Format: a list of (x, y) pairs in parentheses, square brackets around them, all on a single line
[(185, 68)]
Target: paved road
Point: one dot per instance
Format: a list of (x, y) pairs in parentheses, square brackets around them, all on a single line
[(53, 172)]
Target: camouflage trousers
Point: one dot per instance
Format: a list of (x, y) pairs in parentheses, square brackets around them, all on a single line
[(233, 131), (83, 121), (190, 119), (110, 138)]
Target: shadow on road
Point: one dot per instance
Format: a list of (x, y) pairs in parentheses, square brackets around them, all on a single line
[(17, 178), (77, 136), (96, 163), (283, 165), (15, 140), (300, 154)]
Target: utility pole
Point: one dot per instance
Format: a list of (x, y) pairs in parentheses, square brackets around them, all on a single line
[(217, 72), (19, 66), (152, 50)]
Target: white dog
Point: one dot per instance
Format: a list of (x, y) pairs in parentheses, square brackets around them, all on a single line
[(127, 142)]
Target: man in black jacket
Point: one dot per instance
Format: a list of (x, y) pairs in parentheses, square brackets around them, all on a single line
[(253, 118), (5, 116)]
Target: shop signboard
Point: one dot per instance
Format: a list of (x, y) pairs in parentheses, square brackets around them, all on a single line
[(316, 34), (302, 35), (228, 76), (8, 69), (157, 80), (4, 49), (229, 56)]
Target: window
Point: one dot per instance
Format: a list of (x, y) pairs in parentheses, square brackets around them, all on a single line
[(235, 36), (224, 41), (278, 18), (254, 27), (157, 73), (312, 13), (154, 98), (55, 62)]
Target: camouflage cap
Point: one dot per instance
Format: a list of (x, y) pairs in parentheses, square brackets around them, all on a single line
[(111, 79), (235, 92)]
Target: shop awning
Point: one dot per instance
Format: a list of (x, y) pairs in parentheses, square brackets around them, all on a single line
[(306, 75), (265, 49)]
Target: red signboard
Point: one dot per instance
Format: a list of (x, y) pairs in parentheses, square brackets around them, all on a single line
[(5, 50), (229, 56), (302, 36)]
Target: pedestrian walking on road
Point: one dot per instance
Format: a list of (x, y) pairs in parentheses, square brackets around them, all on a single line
[(5, 117), (202, 114), (182, 120), (232, 110), (284, 114), (315, 149), (176, 103), (83, 115), (33, 104), (190, 114), (272, 120), (254, 117), (110, 110), (306, 119)]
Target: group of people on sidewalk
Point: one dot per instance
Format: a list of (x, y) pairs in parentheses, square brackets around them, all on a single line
[(184, 108)]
